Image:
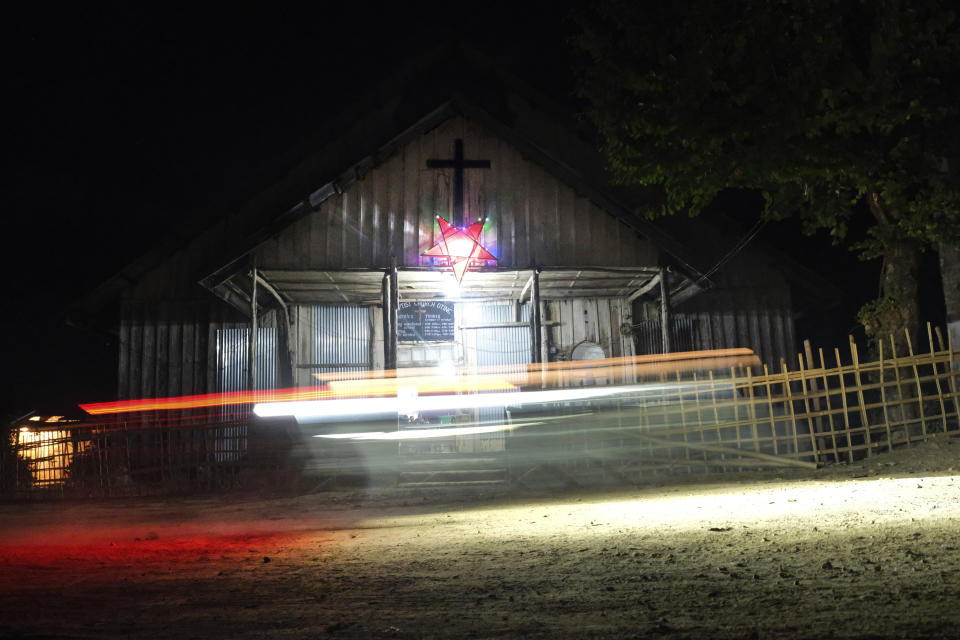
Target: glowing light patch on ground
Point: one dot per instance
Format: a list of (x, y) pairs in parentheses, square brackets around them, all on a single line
[(823, 505)]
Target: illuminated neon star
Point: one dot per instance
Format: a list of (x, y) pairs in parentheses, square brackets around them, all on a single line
[(459, 245)]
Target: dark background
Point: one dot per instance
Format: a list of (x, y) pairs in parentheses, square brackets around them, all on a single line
[(131, 127)]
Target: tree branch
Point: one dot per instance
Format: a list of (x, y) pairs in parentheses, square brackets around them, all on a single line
[(873, 200)]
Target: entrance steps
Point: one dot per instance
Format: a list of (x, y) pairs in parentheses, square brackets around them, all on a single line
[(451, 470)]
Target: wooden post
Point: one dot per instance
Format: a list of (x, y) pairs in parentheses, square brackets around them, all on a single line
[(394, 310), (536, 354), (386, 316), (664, 310), (252, 350), (544, 332)]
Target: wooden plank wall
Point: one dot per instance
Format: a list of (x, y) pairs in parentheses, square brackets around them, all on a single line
[(169, 348), (749, 306), (533, 219), (589, 319)]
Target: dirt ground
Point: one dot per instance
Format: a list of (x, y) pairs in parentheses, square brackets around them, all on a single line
[(869, 550)]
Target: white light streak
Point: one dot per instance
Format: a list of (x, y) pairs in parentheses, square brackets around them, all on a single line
[(418, 434), (360, 407)]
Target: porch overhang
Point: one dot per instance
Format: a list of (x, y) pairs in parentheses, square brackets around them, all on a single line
[(363, 286)]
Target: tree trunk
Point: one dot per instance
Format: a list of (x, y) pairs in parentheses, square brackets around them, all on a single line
[(897, 308), (950, 273)]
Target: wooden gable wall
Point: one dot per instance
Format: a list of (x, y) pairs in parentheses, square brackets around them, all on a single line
[(533, 219)]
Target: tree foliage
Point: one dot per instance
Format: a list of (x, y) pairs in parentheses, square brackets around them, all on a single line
[(829, 108)]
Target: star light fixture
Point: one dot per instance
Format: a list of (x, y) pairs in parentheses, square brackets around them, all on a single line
[(459, 246)]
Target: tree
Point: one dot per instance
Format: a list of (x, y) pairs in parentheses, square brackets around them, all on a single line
[(843, 113)]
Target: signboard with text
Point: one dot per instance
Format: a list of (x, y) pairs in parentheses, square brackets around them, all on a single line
[(425, 322)]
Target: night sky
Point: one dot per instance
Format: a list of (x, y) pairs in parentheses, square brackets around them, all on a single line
[(131, 127)]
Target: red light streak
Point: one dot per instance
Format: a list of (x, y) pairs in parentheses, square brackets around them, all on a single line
[(207, 400)]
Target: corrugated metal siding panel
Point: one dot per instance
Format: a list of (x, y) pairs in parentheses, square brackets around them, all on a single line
[(507, 347), (532, 217), (341, 337), (504, 346), (229, 443), (233, 362), (768, 332)]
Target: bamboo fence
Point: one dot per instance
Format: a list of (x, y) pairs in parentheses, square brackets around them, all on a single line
[(830, 408), (826, 410)]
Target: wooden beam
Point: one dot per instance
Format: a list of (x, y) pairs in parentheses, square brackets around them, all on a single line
[(285, 347), (509, 325), (645, 289), (523, 292)]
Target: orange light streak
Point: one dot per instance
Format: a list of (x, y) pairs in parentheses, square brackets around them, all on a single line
[(467, 380), (207, 400)]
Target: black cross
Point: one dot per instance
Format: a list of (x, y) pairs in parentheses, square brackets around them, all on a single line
[(458, 164)]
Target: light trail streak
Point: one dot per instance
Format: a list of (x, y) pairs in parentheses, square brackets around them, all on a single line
[(205, 400), (379, 390), (360, 407)]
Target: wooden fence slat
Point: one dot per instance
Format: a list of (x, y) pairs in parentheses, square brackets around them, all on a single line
[(899, 381), (854, 354), (843, 400), (952, 373), (936, 377), (793, 415), (716, 414), (683, 420), (883, 399), (826, 390), (752, 411), (916, 377), (773, 421), (816, 443)]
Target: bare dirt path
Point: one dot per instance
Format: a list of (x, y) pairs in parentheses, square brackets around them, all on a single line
[(867, 551)]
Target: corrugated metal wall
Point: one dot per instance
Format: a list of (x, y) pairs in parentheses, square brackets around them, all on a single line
[(332, 338), (229, 442), (533, 219), (683, 337), (233, 359), (506, 347), (769, 332)]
